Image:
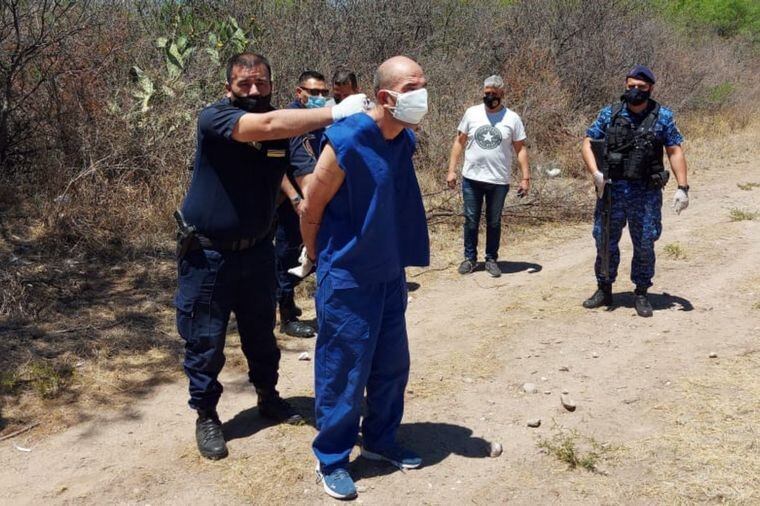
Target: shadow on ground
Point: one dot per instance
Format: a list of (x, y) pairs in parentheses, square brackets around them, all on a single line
[(433, 441), (248, 422), (660, 301), (508, 267), (71, 317)]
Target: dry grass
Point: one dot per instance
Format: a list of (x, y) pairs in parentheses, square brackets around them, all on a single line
[(675, 251), (574, 449), (710, 451), (747, 186), (737, 214)]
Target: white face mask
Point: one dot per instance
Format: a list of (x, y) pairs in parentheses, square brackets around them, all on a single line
[(411, 106)]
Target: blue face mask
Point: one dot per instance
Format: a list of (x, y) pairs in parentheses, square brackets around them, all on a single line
[(315, 102)]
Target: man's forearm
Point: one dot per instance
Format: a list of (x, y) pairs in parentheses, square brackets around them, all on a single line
[(456, 154), (678, 165), (280, 124), (287, 188), (522, 160), (309, 230), (588, 156)]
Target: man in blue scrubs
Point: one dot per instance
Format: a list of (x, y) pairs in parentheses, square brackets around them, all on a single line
[(225, 255), (363, 222)]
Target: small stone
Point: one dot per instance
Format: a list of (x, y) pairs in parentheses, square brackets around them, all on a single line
[(468, 380), (595, 355), (544, 378), (361, 488), (547, 392), (565, 392), (564, 368), (530, 388), (534, 422), (304, 356), (713, 355), (567, 402), (496, 449)]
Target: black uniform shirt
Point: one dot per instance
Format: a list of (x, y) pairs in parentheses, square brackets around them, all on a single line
[(234, 186)]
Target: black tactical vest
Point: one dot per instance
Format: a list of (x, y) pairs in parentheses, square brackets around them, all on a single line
[(633, 153)]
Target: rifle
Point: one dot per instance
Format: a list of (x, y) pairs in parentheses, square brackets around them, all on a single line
[(599, 148)]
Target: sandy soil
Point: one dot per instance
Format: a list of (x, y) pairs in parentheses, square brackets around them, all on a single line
[(657, 419)]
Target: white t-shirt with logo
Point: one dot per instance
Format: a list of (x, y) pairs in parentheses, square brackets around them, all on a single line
[(488, 154)]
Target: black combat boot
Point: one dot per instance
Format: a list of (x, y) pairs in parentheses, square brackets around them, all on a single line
[(208, 435), (274, 407), (602, 297), (289, 322), (641, 302)]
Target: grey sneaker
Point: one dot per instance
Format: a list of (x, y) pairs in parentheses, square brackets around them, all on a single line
[(493, 268), (466, 267)]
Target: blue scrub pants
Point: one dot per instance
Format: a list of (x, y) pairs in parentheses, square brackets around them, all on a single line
[(641, 208), (211, 285), (362, 344)]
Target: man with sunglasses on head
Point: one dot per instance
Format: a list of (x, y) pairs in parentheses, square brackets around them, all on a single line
[(311, 93), (363, 222), (635, 132), (225, 254)]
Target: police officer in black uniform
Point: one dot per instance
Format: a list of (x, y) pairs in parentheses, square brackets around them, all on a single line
[(311, 93), (225, 253)]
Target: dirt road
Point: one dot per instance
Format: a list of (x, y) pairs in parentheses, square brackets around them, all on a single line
[(657, 419)]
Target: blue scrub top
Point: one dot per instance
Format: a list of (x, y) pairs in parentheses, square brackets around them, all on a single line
[(375, 224)]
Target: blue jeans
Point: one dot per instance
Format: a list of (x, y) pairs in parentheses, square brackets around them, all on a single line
[(473, 193)]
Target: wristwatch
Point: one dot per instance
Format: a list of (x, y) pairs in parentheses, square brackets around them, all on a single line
[(684, 188), (296, 200)]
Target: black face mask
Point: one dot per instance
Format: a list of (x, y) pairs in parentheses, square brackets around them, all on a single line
[(635, 96), (491, 101), (253, 104)]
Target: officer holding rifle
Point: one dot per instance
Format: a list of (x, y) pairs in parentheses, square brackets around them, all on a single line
[(623, 151)]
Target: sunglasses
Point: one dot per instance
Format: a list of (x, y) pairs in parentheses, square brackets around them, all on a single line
[(316, 91)]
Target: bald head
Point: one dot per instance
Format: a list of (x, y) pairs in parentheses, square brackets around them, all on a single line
[(397, 71)]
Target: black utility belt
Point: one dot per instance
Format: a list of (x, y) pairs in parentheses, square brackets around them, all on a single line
[(244, 243), (657, 179)]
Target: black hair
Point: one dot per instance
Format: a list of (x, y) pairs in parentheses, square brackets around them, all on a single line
[(343, 76), (310, 74), (247, 60)]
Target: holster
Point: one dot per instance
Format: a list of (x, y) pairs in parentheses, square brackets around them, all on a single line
[(186, 236), (658, 180)]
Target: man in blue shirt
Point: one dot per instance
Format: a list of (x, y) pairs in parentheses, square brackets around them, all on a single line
[(363, 222), (225, 253), (311, 93), (635, 131)]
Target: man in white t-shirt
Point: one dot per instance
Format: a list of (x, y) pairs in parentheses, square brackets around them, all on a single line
[(487, 135)]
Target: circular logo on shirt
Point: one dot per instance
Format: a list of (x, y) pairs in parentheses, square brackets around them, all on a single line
[(488, 137)]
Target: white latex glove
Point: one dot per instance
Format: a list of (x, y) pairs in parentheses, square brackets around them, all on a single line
[(680, 201), (352, 104), (599, 182), (305, 267)]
